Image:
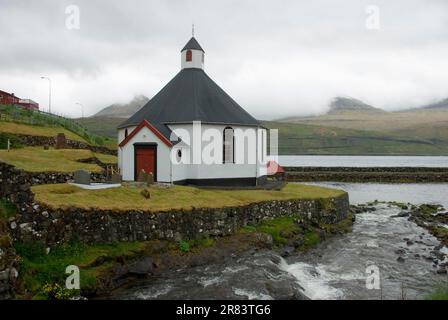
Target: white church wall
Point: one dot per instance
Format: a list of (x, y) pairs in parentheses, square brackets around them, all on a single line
[(121, 137), (180, 171), (220, 170), (262, 151), (126, 156)]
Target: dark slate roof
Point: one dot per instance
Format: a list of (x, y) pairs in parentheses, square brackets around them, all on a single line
[(192, 44), (191, 96)]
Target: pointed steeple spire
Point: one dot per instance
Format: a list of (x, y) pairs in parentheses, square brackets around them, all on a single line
[(192, 44)]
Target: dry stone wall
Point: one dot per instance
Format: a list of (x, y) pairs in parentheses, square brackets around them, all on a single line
[(36, 222), (51, 141)]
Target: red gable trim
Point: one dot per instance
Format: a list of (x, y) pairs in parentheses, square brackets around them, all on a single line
[(146, 124)]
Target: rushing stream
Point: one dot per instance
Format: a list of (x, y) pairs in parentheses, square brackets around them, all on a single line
[(335, 269)]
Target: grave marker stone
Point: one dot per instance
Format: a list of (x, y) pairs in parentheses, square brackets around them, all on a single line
[(61, 141), (82, 176)]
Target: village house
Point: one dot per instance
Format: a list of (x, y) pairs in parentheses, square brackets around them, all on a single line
[(10, 99), (170, 135)]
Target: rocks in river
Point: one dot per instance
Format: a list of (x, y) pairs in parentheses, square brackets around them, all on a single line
[(287, 251), (401, 259), (409, 242), (401, 215), (285, 289), (361, 208), (142, 267), (438, 254), (431, 217), (441, 271), (400, 251)]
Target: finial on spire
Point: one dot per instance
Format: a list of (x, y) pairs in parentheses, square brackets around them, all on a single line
[(192, 30)]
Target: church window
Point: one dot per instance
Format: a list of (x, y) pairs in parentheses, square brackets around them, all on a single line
[(228, 146)]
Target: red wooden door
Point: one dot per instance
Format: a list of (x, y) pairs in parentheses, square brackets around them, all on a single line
[(145, 160)]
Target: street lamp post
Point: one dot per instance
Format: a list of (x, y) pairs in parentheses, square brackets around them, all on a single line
[(49, 93), (82, 109)]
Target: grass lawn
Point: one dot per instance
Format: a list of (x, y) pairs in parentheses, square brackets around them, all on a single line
[(36, 159), (35, 130), (177, 197), (105, 158)]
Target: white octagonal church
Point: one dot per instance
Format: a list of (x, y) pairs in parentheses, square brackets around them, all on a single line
[(192, 132)]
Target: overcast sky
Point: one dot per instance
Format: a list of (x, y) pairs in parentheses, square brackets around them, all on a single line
[(276, 58)]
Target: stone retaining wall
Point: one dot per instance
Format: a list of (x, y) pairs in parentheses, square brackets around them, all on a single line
[(367, 174), (367, 169), (8, 263), (15, 186), (15, 183), (51, 141), (37, 222)]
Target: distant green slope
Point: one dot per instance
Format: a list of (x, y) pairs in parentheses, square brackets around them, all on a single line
[(104, 126), (297, 138), (314, 139)]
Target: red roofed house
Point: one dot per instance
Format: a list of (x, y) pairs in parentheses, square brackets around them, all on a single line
[(10, 99)]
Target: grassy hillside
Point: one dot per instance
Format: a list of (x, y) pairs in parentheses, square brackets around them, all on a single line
[(419, 132), (37, 130), (318, 139), (104, 126), (36, 159), (21, 121), (388, 122), (422, 131)]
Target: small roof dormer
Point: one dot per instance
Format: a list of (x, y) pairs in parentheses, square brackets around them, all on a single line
[(192, 55)]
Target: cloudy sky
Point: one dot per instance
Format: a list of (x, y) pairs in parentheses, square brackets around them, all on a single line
[(276, 58)]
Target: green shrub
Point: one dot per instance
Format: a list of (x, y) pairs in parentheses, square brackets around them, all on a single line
[(280, 229), (54, 291), (7, 209), (203, 242), (184, 246)]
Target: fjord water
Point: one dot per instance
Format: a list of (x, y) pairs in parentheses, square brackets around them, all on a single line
[(363, 161), (335, 269)]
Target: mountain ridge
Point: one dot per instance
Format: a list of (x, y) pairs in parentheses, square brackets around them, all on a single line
[(340, 105), (123, 110)]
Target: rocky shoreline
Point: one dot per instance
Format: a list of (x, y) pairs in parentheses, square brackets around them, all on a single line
[(162, 256), (433, 218), (367, 174)]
